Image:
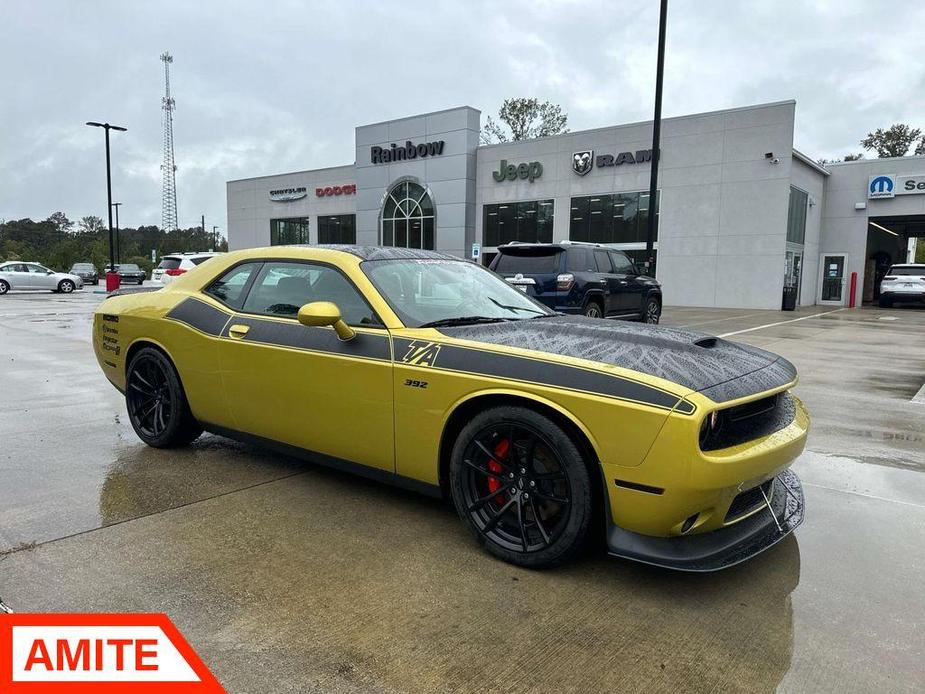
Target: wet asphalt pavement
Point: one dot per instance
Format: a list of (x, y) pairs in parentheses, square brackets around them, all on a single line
[(291, 578)]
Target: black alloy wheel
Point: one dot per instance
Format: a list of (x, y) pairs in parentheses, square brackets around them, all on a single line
[(653, 312), (66, 286), (593, 310), (4, 287), (521, 485), (156, 403)]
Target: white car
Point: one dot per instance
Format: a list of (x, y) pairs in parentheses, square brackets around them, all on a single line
[(32, 276), (176, 264), (904, 282)]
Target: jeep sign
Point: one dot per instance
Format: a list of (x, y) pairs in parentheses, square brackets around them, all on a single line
[(511, 172)]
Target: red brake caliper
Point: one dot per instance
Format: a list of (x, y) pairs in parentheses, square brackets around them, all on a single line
[(494, 484)]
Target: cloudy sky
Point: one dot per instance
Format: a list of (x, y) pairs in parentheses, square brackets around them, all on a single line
[(268, 87)]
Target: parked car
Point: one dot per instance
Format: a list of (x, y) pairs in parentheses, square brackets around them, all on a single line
[(87, 272), (428, 371), (176, 264), (130, 273), (904, 282), (585, 278), (35, 277)]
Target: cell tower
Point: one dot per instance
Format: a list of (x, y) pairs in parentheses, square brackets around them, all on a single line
[(168, 167)]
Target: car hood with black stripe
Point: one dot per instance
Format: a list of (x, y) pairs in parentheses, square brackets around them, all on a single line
[(717, 368)]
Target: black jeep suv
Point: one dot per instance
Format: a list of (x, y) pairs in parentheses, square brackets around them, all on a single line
[(584, 278)]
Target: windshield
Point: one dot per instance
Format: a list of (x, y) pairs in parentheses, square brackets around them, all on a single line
[(129, 267), (908, 271), (83, 267), (425, 291)]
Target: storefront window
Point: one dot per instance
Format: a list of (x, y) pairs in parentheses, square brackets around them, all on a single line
[(796, 215), (408, 217), (528, 222), (284, 232), (337, 228), (616, 219)]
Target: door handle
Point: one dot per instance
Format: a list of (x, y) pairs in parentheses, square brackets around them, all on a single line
[(622, 281), (238, 331)]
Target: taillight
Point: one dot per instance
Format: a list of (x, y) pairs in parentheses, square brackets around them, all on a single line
[(565, 282), (174, 272)]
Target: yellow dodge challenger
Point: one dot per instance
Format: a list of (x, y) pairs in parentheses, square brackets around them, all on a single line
[(424, 370)]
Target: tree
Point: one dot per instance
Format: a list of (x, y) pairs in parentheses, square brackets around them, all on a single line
[(91, 224), (525, 119), (854, 157), (892, 142), (920, 148)]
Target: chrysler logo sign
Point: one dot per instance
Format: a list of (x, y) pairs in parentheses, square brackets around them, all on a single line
[(583, 162), (288, 194)]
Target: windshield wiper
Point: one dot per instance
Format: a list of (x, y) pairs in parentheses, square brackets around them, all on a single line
[(462, 320), (514, 308)]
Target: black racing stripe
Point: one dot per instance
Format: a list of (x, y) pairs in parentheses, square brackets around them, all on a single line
[(558, 375), (200, 315), (298, 336)]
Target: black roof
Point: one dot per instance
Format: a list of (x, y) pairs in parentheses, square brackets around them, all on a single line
[(388, 252)]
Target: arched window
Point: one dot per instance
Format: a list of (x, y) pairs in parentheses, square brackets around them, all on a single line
[(408, 217)]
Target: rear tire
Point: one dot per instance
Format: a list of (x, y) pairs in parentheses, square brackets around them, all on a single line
[(885, 302), (523, 488), (4, 287), (594, 309), (156, 403)]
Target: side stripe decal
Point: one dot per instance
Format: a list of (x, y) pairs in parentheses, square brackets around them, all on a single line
[(477, 361), (212, 321), (200, 315), (298, 336)]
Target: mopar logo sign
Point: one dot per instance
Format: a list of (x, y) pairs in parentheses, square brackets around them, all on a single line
[(884, 186), (880, 187)]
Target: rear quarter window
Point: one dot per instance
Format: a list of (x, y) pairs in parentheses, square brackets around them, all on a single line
[(534, 264), (200, 261)]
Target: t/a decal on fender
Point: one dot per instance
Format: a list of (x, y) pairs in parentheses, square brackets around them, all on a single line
[(421, 353)]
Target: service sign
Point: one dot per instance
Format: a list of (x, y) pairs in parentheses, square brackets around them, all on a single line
[(891, 185), (98, 653), (288, 194)]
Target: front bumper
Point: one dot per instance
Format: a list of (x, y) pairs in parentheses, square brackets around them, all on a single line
[(720, 548)]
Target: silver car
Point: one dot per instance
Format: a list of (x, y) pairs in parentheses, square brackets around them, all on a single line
[(32, 276)]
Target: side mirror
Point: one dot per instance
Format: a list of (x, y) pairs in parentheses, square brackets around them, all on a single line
[(49, 272), (319, 313)]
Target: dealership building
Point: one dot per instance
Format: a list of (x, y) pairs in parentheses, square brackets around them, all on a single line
[(743, 216)]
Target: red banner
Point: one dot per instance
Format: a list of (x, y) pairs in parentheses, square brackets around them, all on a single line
[(78, 653)]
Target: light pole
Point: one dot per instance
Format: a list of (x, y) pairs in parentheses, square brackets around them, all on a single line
[(652, 226), (214, 238), (118, 239), (112, 253)]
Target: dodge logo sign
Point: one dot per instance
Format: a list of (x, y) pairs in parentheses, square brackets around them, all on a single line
[(581, 162)]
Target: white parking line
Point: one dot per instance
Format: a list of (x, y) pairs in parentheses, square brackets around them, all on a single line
[(782, 322), (919, 398)]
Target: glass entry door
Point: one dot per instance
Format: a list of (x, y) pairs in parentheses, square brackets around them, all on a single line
[(832, 286), (794, 270)]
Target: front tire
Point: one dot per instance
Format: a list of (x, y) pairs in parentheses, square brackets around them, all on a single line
[(522, 486), (66, 286), (4, 287), (157, 406), (652, 312)]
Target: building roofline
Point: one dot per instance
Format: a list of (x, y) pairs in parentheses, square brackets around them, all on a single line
[(421, 115), (877, 159), (797, 154), (736, 109), (290, 173)]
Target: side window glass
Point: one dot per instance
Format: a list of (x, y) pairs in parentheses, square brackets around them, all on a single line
[(621, 264), (281, 289), (229, 288), (602, 258)]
